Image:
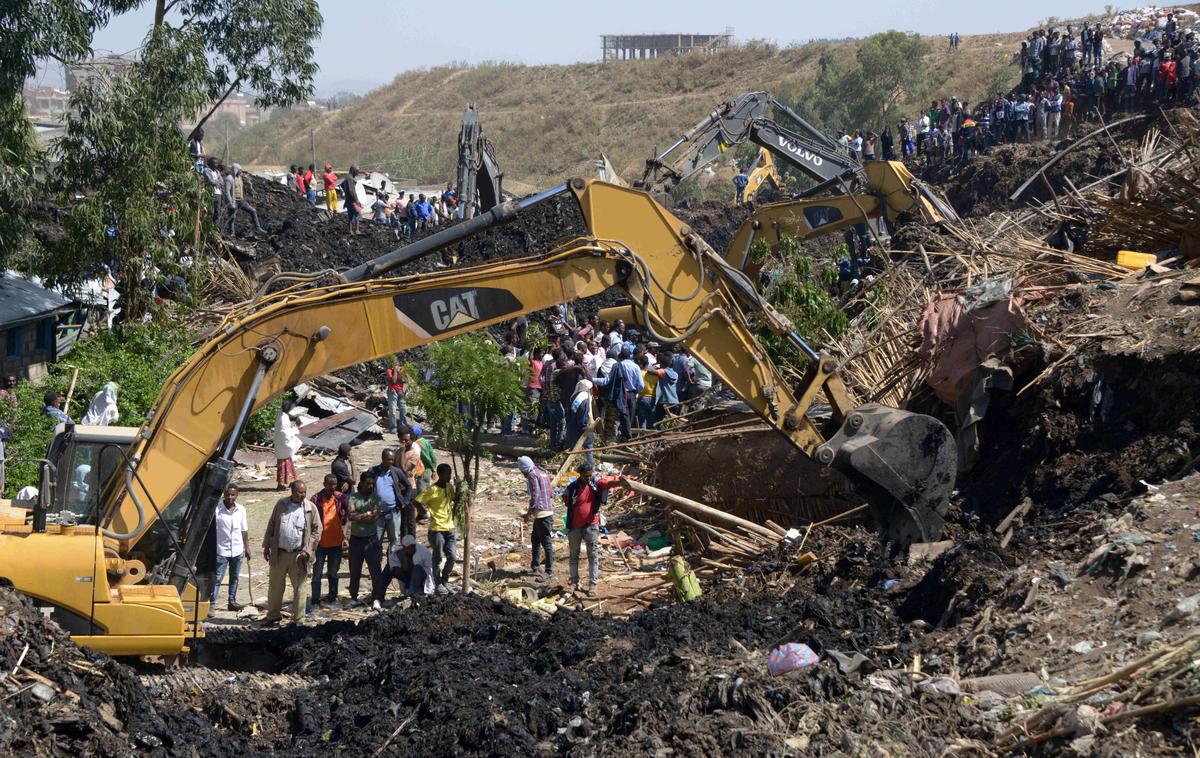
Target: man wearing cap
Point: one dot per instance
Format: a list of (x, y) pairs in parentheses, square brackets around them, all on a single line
[(428, 457), (583, 499), (412, 564), (540, 512)]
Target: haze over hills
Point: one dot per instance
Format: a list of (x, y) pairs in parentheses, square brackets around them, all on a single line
[(550, 122)]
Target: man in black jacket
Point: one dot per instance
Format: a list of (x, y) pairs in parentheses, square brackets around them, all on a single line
[(395, 493)]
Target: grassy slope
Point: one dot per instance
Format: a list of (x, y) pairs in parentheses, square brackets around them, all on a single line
[(549, 122)]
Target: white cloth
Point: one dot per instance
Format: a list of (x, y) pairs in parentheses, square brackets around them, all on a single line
[(422, 557), (291, 526), (230, 525), (287, 437), (103, 408)]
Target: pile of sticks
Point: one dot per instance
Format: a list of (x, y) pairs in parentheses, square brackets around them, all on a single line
[(715, 541), (1165, 679)]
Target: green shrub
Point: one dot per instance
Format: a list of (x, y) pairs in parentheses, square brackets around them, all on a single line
[(138, 357)]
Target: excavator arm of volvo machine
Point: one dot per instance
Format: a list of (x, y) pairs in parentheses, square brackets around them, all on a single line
[(689, 295), (479, 177)]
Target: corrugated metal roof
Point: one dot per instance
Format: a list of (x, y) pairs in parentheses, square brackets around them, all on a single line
[(21, 300)]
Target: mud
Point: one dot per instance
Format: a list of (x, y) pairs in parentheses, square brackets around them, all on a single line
[(95, 705)]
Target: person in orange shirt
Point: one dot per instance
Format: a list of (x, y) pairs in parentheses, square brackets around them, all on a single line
[(330, 180), (331, 506), (310, 188)]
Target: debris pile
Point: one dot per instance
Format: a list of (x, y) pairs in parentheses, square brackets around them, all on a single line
[(1147, 22), (56, 699)]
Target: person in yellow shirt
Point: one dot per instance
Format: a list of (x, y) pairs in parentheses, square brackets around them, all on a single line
[(439, 500)]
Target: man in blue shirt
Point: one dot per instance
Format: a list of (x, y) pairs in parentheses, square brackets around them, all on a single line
[(53, 409), (740, 180)]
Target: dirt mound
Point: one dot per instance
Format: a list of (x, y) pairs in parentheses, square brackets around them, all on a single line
[(62, 700), (1118, 411), (984, 183), (463, 675)]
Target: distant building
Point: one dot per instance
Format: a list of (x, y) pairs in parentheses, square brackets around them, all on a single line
[(239, 106), (107, 66), (616, 47), (46, 104), (29, 317)]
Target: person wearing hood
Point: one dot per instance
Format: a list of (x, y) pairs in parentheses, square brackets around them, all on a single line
[(330, 179), (287, 444), (540, 513), (349, 190), (580, 417), (103, 409), (235, 198)]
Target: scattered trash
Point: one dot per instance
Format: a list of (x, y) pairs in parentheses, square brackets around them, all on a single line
[(1083, 647), (791, 656)]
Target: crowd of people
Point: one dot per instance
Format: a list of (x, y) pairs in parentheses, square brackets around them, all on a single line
[(1068, 77), (596, 379), (406, 212)]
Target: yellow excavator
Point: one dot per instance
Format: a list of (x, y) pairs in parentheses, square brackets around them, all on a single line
[(109, 548), (847, 192)]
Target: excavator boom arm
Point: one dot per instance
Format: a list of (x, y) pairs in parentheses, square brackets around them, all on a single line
[(688, 294)]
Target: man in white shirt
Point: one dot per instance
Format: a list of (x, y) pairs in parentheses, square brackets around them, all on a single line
[(233, 542), (412, 564)]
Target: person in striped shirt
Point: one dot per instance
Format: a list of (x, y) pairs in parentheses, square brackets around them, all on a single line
[(540, 512)]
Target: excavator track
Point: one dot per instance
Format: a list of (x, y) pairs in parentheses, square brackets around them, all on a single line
[(193, 680)]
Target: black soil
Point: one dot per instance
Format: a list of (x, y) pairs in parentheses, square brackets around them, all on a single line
[(95, 705)]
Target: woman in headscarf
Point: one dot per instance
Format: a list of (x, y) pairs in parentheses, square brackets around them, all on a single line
[(580, 419), (287, 444)]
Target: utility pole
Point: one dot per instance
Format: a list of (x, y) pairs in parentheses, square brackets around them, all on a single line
[(226, 160), (312, 144)]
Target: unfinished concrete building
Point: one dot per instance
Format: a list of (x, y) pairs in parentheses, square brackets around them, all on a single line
[(618, 47)]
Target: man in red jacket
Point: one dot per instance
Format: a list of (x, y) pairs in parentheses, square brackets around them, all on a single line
[(583, 499)]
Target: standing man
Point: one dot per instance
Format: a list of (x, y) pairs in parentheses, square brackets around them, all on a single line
[(740, 180), (330, 179), (289, 544), (349, 190), (583, 499), (233, 542), (332, 507), (235, 196), (393, 487), (439, 500), (409, 461), (310, 184), (343, 468), (397, 408), (540, 512), (428, 458), (363, 515)]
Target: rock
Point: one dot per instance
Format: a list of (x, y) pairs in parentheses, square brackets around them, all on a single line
[(1146, 639), (42, 692), (1083, 647)]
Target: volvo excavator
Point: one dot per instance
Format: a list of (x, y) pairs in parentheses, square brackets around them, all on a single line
[(112, 557), (479, 176), (879, 192)]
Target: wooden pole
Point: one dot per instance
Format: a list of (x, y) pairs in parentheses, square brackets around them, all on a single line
[(704, 510), (70, 391)]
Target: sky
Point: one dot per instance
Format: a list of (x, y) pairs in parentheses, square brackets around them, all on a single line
[(366, 43)]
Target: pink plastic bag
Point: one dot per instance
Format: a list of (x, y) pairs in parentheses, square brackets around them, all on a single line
[(790, 657)]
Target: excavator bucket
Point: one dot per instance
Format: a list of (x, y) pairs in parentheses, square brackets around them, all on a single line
[(905, 463)]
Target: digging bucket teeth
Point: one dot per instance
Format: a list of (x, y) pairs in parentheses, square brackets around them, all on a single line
[(904, 463)]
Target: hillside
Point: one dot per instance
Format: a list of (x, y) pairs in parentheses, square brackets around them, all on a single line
[(548, 122)]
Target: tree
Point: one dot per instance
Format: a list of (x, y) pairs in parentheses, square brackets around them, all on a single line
[(33, 30), (470, 383), (264, 46), (122, 153)]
